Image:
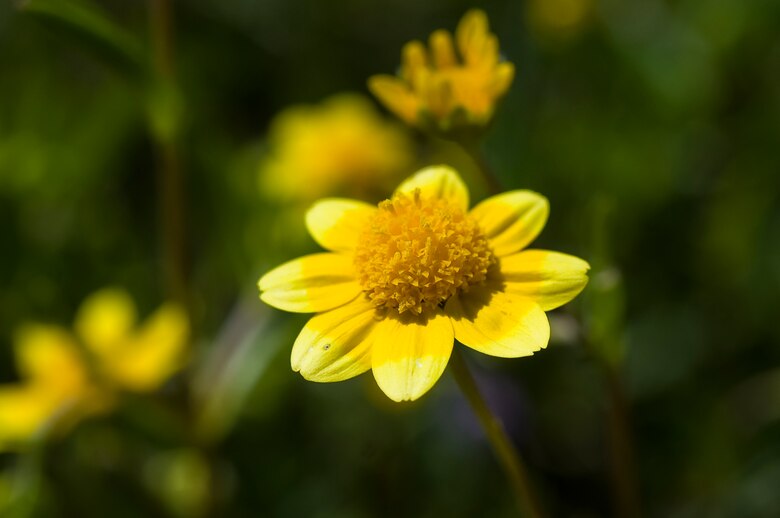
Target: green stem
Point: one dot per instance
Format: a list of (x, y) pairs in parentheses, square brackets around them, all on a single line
[(474, 150), (626, 493), (171, 181), (503, 448)]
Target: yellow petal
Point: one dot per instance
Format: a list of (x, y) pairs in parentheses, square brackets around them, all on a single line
[(310, 284), (504, 75), (150, 357), (471, 35), (442, 51), (336, 345), (336, 224), (497, 323), (396, 96), (413, 59), (410, 355), (24, 410), (439, 181), (550, 279), (512, 220), (48, 355), (105, 319)]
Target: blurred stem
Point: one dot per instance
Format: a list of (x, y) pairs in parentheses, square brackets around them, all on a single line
[(606, 305), (474, 149), (165, 136), (622, 464), (507, 455)]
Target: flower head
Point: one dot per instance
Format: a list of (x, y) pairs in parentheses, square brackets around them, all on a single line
[(66, 377), (342, 145), (444, 91), (403, 280)]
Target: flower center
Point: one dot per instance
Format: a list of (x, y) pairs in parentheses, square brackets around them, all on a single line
[(416, 252)]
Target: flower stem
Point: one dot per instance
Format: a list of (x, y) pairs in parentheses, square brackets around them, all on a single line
[(503, 448), (626, 493), (165, 135), (474, 150)]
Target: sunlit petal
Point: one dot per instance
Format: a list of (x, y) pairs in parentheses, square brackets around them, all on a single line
[(498, 323), (438, 181), (409, 355), (512, 220), (336, 345), (336, 223), (551, 279), (310, 284)]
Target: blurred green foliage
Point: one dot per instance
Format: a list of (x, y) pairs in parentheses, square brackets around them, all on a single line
[(652, 127)]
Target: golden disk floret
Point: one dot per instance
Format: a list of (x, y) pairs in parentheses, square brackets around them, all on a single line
[(417, 252)]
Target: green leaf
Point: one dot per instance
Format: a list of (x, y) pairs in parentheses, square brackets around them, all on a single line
[(92, 28)]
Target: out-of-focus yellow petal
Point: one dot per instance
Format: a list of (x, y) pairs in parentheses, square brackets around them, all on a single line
[(442, 51), (396, 96), (151, 356), (105, 320), (551, 279), (336, 223), (471, 35), (48, 355), (310, 284), (24, 410), (504, 75), (336, 345), (439, 181), (497, 323), (414, 58), (339, 146), (439, 94), (410, 355), (512, 220)]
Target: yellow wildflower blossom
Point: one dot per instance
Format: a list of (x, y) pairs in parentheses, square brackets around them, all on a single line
[(403, 280), (342, 145), (63, 381), (137, 360), (443, 91), (56, 383)]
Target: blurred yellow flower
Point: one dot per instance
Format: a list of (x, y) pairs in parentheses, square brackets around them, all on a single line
[(137, 360), (445, 92), (340, 146), (63, 381), (403, 280), (56, 384)]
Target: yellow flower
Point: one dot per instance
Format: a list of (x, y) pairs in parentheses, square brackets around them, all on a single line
[(342, 145), (63, 381), (137, 360), (56, 383), (403, 280), (441, 91)]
